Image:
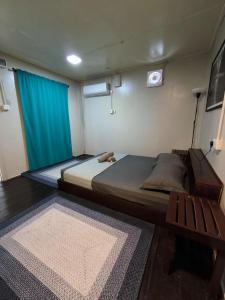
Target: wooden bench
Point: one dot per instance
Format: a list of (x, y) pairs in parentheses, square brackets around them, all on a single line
[(202, 220)]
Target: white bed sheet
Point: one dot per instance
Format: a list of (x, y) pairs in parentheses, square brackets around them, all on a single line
[(83, 174)]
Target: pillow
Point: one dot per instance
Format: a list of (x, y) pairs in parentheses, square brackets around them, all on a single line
[(167, 157), (167, 176)]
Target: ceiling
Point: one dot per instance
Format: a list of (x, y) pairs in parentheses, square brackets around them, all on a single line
[(109, 36)]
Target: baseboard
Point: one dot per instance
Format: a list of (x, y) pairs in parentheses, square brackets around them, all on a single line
[(7, 180)]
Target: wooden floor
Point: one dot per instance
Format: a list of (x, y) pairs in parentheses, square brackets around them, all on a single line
[(20, 193)]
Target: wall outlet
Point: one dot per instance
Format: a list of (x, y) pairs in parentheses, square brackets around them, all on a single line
[(218, 144), (5, 107), (112, 112)]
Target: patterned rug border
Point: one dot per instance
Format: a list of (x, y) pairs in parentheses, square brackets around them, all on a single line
[(83, 202), (137, 264)]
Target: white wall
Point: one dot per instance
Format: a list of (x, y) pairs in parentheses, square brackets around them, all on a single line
[(13, 159), (147, 120), (210, 121)]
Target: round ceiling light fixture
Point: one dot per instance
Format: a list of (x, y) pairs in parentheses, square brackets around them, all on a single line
[(74, 59)]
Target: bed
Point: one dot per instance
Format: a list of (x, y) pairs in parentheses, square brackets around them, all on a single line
[(120, 182), (117, 185)]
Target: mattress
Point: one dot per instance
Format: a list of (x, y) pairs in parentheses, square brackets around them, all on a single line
[(121, 179), (83, 174), (124, 180)]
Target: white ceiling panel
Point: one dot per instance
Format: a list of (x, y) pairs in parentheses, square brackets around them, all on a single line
[(109, 36)]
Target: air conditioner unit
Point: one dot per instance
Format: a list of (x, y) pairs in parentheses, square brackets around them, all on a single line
[(96, 89), (3, 63)]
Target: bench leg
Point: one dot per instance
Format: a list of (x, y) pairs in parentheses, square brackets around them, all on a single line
[(217, 274), (170, 247)]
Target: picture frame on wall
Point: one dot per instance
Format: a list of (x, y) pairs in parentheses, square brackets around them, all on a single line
[(217, 81)]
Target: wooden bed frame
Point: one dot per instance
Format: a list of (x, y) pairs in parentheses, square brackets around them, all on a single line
[(144, 212), (203, 182)]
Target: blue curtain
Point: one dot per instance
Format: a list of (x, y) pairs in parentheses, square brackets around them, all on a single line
[(44, 105)]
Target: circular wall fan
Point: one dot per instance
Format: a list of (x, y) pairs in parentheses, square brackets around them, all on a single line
[(155, 78)]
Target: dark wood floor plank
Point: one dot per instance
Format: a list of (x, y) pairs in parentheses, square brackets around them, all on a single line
[(20, 193)]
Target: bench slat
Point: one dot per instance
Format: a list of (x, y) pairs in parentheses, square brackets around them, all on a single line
[(181, 209), (209, 222), (198, 215), (190, 217)]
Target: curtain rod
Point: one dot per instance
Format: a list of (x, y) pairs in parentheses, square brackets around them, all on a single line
[(15, 70), (43, 76)]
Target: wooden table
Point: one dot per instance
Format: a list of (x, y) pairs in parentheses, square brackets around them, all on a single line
[(201, 220)]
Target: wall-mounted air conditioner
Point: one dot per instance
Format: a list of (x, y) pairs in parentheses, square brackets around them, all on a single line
[(96, 89)]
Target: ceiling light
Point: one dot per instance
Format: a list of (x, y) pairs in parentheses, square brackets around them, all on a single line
[(74, 59)]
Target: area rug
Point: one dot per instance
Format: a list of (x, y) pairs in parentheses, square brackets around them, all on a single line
[(60, 249), (51, 174)]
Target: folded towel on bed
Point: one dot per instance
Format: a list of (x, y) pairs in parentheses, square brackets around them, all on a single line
[(111, 159), (105, 156)]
